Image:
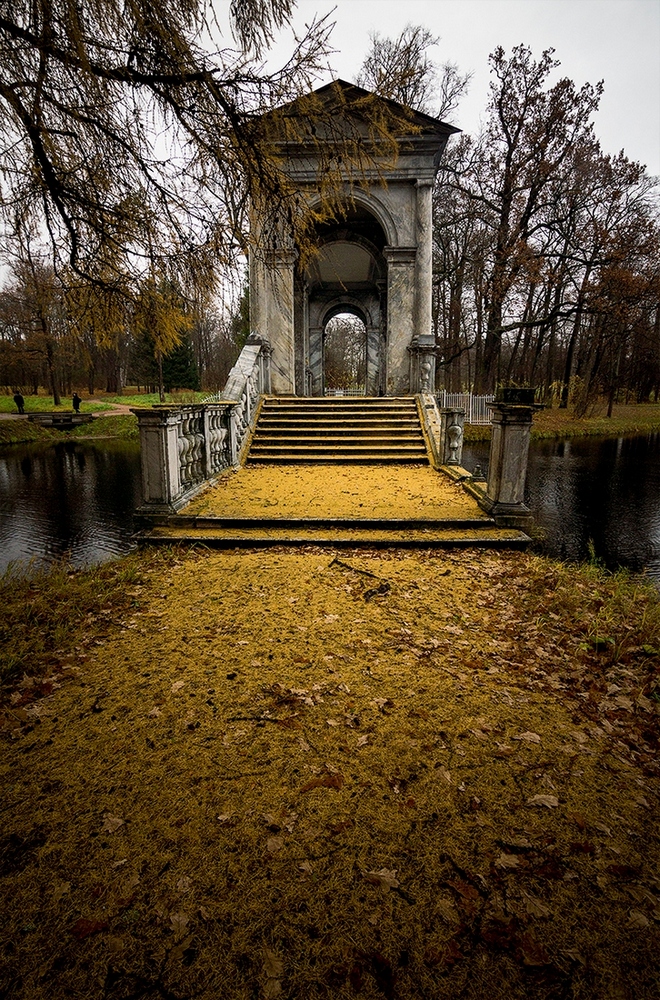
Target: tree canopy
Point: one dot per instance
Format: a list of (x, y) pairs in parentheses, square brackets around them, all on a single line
[(402, 70), (130, 143)]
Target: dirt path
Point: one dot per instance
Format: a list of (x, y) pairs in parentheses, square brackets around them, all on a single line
[(115, 407), (318, 775)]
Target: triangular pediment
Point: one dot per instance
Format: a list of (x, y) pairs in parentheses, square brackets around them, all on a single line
[(362, 111), (358, 102)]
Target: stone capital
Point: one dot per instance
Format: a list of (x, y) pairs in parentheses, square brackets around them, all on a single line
[(400, 255), (281, 257)]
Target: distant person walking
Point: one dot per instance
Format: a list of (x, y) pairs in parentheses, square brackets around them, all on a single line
[(76, 402), (20, 402)]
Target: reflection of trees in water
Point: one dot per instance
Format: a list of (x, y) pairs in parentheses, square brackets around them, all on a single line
[(345, 353)]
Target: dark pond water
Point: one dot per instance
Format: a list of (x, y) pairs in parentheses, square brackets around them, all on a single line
[(75, 499), (597, 493)]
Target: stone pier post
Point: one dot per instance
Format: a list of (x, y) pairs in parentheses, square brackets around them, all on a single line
[(507, 469), (280, 328), (159, 452)]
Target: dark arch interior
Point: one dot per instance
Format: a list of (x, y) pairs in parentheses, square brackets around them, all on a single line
[(357, 221)]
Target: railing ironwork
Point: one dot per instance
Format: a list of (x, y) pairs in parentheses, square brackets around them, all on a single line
[(476, 407)]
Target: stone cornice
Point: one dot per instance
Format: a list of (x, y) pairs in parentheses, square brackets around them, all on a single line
[(400, 255)]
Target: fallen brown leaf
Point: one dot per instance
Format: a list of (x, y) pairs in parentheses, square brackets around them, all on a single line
[(323, 781)]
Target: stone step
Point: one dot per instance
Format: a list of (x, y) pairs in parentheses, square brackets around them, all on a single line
[(335, 439), (259, 536), (478, 522), (335, 452), (339, 401), (339, 460), (279, 423), (322, 407), (365, 430)]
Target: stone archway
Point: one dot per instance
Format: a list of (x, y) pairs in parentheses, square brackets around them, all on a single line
[(377, 253), (349, 274)]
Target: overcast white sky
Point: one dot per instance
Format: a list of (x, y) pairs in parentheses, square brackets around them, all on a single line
[(617, 41)]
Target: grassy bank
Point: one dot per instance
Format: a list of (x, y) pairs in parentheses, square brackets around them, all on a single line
[(641, 418), (310, 774), (123, 426), (38, 404)]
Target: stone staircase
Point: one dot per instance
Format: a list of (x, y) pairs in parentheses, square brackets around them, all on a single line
[(334, 431), (361, 430)]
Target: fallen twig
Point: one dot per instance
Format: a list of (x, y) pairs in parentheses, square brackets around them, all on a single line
[(353, 569)]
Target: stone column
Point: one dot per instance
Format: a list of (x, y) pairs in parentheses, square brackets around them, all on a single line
[(400, 317), (316, 359), (507, 469), (424, 262), (422, 355), (280, 323)]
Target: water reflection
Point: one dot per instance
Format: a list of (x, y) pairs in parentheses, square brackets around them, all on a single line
[(603, 492), (75, 499)]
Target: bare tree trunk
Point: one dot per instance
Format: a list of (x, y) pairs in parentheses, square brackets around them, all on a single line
[(570, 351), (478, 352), (161, 390), (52, 374)]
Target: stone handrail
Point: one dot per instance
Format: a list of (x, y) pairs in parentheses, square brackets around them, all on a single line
[(443, 430), (183, 446)]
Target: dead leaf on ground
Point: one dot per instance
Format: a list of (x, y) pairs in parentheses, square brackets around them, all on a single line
[(528, 737), (274, 844), (83, 928), (226, 819), (383, 877), (60, 890), (273, 967), (179, 922), (447, 911), (535, 907), (111, 823), (341, 826), (323, 781), (177, 686), (508, 861), (550, 801), (637, 919)]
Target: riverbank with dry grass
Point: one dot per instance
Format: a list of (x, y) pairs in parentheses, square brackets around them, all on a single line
[(638, 418), (321, 774), (114, 425)]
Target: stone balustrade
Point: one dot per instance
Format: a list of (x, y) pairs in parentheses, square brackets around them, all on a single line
[(443, 429), (183, 446)]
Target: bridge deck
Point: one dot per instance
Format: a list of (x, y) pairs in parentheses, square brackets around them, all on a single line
[(349, 506), (336, 491)]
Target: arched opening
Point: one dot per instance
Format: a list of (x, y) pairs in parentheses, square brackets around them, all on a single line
[(346, 278), (345, 355)]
